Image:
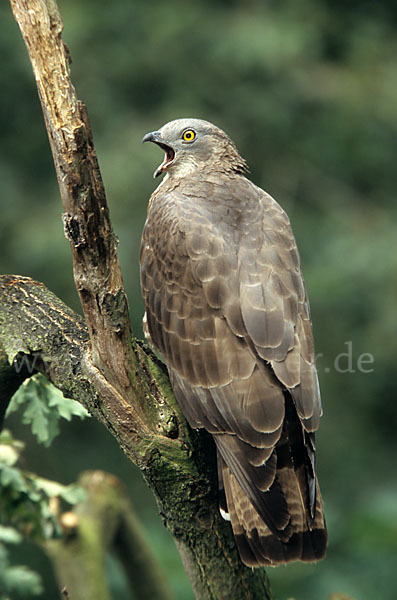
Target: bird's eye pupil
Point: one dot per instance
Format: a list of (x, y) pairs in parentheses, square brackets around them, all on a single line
[(189, 135)]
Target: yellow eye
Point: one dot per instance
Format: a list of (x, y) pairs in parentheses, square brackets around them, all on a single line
[(189, 135)]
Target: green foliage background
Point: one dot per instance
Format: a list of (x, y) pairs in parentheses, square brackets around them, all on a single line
[(308, 91)]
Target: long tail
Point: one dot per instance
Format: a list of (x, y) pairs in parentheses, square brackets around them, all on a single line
[(284, 522), (257, 544)]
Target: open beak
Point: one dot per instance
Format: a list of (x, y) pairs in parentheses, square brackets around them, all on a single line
[(155, 136)]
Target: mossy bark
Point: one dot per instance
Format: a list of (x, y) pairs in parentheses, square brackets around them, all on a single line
[(39, 331)]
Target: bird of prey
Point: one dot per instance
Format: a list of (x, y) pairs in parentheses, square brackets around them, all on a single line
[(227, 309)]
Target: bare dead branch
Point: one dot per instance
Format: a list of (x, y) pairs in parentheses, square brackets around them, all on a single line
[(86, 218)]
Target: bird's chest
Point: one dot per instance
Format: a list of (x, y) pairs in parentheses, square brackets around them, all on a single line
[(208, 214), (191, 235), (163, 236)]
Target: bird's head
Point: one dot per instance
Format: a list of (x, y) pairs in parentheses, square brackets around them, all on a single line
[(191, 144)]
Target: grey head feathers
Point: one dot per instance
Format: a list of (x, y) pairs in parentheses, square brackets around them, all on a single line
[(191, 144)]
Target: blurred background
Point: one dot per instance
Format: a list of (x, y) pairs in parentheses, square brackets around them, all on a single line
[(308, 92)]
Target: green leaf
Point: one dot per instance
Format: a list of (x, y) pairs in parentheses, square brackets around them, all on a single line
[(67, 408), (36, 414), (23, 581), (8, 455), (43, 405), (73, 494), (70, 493), (50, 488), (9, 535), (36, 411), (10, 476), (25, 498), (6, 437)]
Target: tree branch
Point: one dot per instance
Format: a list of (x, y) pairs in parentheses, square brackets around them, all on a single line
[(86, 218), (118, 380), (39, 332), (103, 522)]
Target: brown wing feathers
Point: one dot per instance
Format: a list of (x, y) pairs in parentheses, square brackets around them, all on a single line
[(226, 307)]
